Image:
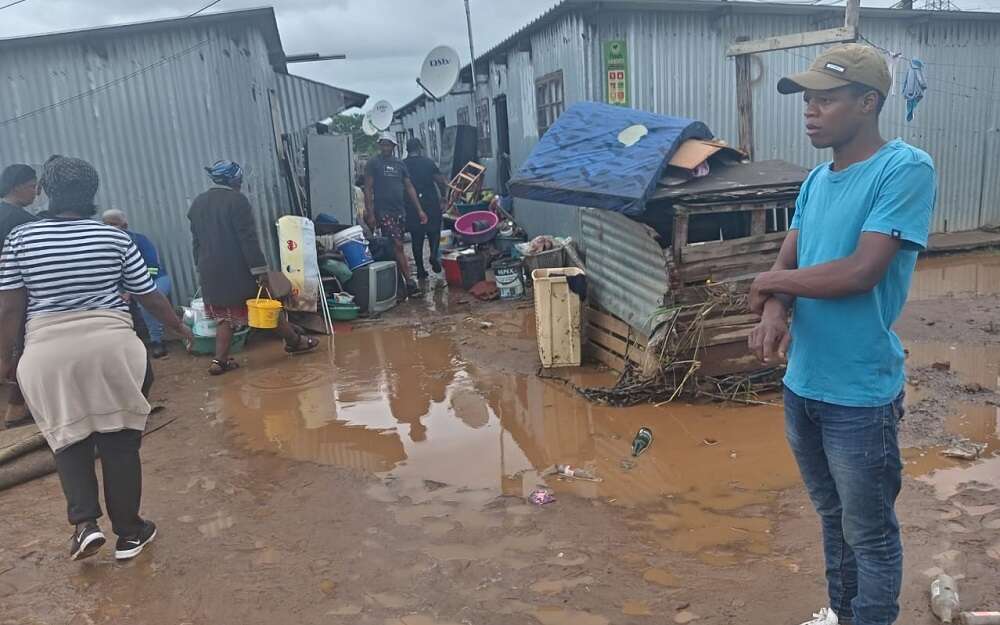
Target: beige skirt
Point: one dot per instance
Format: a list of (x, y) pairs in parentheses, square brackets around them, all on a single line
[(82, 372)]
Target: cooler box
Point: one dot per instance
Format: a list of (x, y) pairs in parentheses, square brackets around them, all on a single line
[(557, 317), (452, 272)]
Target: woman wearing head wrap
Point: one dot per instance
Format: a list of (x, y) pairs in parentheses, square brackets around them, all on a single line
[(230, 262), (82, 367)]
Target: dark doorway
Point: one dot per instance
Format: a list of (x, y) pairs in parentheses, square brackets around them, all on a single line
[(503, 143)]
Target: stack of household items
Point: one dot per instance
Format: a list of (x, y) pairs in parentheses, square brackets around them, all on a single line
[(485, 252), (676, 227)]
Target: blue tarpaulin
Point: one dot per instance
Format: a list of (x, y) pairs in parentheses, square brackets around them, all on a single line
[(603, 156)]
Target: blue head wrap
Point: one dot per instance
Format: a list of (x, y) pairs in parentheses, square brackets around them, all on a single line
[(225, 172)]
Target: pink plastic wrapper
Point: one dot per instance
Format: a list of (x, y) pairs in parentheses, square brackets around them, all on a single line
[(541, 497)]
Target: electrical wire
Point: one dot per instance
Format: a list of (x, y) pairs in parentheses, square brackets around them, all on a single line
[(105, 86), (206, 7), (15, 2)]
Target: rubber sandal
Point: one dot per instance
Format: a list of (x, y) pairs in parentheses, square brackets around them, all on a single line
[(218, 367), (310, 345)]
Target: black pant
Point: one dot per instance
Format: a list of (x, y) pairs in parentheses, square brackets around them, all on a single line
[(418, 232), (122, 479)]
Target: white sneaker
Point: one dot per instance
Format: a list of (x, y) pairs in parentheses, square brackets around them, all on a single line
[(826, 616)]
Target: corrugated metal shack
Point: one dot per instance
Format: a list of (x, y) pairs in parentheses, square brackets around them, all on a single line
[(151, 104), (676, 65)]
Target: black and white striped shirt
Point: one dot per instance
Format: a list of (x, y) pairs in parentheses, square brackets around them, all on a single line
[(70, 265)]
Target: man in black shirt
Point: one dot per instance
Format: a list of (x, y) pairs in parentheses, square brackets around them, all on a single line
[(431, 188), (18, 189), (387, 188)]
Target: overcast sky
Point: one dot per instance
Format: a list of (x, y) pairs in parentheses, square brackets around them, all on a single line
[(385, 40)]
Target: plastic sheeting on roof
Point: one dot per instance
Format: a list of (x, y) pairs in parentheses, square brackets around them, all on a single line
[(603, 156)]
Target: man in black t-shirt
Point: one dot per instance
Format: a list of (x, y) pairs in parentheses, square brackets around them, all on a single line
[(431, 189), (18, 189), (387, 188)]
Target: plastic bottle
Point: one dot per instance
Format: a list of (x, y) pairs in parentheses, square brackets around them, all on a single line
[(643, 439), (981, 618), (944, 597)]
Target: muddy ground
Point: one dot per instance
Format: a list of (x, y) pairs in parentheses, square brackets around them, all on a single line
[(382, 481)]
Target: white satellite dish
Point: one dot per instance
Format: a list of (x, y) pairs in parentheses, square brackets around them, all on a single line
[(367, 127), (381, 115), (439, 72)]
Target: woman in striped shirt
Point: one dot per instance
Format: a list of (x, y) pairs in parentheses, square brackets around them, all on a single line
[(82, 366)]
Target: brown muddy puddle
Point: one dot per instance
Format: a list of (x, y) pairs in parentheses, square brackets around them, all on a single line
[(450, 436), (977, 422), (966, 275)]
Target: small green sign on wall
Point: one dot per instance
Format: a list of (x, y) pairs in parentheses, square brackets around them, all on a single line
[(616, 70)]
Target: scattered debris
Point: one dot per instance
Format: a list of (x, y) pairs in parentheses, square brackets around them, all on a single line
[(576, 473), (965, 450), (974, 387), (643, 439), (540, 497)]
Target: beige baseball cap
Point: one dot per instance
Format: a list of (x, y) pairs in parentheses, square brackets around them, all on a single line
[(840, 66)]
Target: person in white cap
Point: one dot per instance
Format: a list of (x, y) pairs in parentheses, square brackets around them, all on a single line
[(387, 189), (860, 221)]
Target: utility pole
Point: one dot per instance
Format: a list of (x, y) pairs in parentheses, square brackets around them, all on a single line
[(742, 50), (472, 68)]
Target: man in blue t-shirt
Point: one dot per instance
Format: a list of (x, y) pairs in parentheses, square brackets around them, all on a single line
[(845, 269), (117, 218)]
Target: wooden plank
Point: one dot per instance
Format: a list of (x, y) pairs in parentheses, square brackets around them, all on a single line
[(608, 341), (731, 320), (744, 104), (720, 249), (680, 234), (719, 275), (758, 222), (852, 14), (720, 360), (722, 336), (607, 322), (706, 269), (603, 356), (614, 325), (729, 207), (795, 40)]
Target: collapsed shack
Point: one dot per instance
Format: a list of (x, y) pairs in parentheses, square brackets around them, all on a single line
[(669, 274)]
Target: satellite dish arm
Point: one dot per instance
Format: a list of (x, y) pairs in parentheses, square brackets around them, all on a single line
[(427, 91)]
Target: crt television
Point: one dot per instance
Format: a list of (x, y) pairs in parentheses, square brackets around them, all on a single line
[(374, 287)]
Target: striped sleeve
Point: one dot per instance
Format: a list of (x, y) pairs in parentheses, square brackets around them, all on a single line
[(10, 269), (135, 274)]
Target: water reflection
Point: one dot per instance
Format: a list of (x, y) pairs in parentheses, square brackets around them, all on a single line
[(402, 403)]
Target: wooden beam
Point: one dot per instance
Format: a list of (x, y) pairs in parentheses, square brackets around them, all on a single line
[(796, 40), (852, 14), (744, 104)]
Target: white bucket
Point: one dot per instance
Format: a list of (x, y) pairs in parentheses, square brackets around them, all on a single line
[(354, 246), (509, 276), (205, 327)]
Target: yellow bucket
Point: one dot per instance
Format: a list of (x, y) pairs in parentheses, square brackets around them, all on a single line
[(263, 312)]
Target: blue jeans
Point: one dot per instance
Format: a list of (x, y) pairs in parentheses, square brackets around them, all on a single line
[(163, 285), (850, 463)]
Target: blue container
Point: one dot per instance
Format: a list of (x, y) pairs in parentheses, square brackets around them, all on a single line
[(354, 246)]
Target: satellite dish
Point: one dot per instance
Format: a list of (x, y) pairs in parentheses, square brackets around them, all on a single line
[(367, 127), (381, 115), (439, 72)]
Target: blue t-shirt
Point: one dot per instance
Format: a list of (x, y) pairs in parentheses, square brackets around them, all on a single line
[(148, 252), (843, 350)]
